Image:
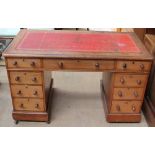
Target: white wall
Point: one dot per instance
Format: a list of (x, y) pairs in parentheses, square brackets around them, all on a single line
[(9, 32)]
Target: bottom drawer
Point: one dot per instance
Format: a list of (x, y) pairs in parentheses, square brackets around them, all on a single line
[(25, 104), (126, 107)]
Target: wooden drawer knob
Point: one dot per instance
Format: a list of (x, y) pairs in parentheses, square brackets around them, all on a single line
[(122, 80), (60, 64), (34, 79), (17, 78), (15, 63), (19, 92), (139, 82), (133, 108), (37, 106), (35, 93), (135, 94), (120, 93), (142, 66), (124, 66), (118, 108), (33, 64), (22, 106), (97, 65)]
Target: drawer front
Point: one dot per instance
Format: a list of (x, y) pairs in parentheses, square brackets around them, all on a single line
[(23, 63), (126, 107), (92, 65), (131, 80), (140, 66), (128, 93), (25, 77), (28, 104), (27, 91)]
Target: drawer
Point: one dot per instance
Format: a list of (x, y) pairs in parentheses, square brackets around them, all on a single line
[(27, 91), (131, 80), (133, 66), (126, 107), (25, 77), (23, 63), (128, 93), (86, 65), (28, 104)]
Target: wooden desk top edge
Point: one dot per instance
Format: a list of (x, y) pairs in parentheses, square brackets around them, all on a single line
[(11, 51)]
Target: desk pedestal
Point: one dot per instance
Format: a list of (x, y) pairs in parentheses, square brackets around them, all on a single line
[(113, 117), (36, 116)]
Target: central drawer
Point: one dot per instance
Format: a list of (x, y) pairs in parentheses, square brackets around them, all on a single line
[(128, 93), (25, 77), (86, 65), (27, 91), (28, 104)]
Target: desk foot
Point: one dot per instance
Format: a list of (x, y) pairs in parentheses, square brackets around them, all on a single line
[(115, 118), (35, 116), (48, 122), (16, 122)]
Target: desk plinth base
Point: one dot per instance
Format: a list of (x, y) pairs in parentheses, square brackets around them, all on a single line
[(115, 118), (35, 116), (31, 116)]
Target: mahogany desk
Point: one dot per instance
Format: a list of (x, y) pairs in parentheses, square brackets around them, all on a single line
[(121, 56)]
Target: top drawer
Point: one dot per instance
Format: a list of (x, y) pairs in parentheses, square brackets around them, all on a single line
[(23, 63), (86, 65), (141, 66)]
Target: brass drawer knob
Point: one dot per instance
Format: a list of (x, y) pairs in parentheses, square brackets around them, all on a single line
[(17, 78), (142, 66), (139, 82), (37, 106), (118, 108), (135, 94), (15, 63), (133, 108), (122, 80), (35, 93), (120, 93), (19, 92), (124, 66), (33, 64), (97, 65), (61, 65), (34, 79)]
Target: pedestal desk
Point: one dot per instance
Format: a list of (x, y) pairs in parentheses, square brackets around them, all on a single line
[(121, 57)]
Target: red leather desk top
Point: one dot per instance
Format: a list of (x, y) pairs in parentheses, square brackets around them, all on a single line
[(74, 42)]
